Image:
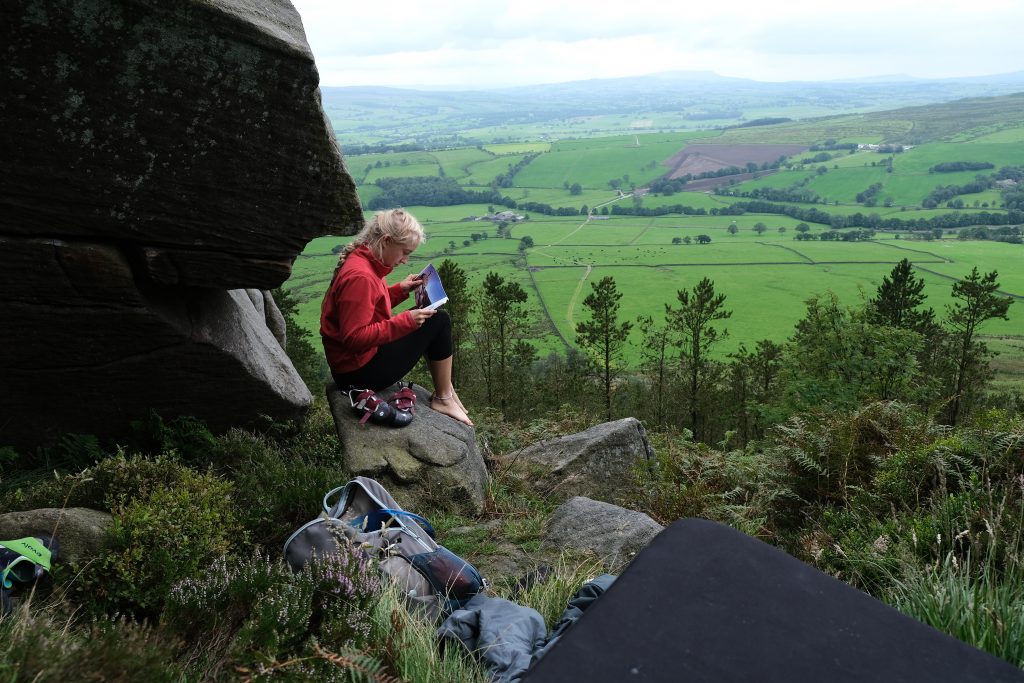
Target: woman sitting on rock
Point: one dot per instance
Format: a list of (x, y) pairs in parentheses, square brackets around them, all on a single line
[(367, 347)]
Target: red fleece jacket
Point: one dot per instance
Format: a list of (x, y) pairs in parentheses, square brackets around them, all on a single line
[(355, 317)]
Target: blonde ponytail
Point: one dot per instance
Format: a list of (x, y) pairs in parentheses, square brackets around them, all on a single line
[(397, 224)]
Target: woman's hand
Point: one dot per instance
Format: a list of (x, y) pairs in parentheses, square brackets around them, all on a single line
[(420, 315), (411, 282)]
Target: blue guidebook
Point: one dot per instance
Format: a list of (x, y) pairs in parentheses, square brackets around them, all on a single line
[(430, 294)]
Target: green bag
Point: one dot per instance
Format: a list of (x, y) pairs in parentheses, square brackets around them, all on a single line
[(23, 561)]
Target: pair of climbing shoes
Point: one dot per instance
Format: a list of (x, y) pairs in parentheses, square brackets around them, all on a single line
[(396, 412)]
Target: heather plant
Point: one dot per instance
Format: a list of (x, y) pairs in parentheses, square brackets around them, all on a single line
[(113, 478), (255, 614)]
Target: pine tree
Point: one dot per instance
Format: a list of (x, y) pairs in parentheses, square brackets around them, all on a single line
[(692, 325), (502, 323), (459, 308), (897, 298), (654, 363), (603, 336), (308, 359), (977, 302)]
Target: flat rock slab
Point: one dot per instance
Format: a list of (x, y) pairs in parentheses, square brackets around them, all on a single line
[(609, 532), (432, 462), (599, 462), (81, 532)]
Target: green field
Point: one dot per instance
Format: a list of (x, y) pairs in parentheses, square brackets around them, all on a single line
[(484, 172), (519, 148), (910, 180), (593, 162), (766, 277)]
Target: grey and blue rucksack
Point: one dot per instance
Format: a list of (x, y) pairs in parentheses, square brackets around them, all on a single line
[(367, 517)]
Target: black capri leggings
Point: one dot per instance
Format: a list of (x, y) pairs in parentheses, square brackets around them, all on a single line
[(394, 360)]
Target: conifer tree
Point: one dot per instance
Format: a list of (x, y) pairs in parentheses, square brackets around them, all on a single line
[(603, 336), (897, 299), (977, 302), (503, 322), (307, 359), (692, 325), (654, 363), (459, 307)]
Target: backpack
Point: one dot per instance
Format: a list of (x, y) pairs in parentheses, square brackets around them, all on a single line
[(366, 516)]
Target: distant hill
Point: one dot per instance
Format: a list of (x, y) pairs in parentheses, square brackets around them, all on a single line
[(906, 126), (674, 100)]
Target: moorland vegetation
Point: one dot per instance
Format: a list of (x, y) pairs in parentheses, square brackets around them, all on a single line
[(866, 445), (836, 397)]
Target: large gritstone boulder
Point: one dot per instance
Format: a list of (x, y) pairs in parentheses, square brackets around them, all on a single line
[(164, 164), (434, 461)]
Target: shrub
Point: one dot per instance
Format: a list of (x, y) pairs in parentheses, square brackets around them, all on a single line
[(38, 644), (277, 489), (829, 456), (117, 477), (166, 528), (187, 436), (909, 478), (258, 615), (693, 480)]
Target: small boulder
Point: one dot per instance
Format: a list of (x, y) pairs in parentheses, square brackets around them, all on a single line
[(501, 560), (82, 532), (598, 462), (609, 532), (432, 462)]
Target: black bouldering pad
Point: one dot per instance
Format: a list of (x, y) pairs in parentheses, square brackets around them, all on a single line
[(704, 602)]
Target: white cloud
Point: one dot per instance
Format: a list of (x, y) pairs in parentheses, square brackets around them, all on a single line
[(460, 43)]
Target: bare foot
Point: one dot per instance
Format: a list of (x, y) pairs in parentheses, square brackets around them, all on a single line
[(448, 405), (458, 400)]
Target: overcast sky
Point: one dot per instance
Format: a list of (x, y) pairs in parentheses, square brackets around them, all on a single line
[(494, 43)]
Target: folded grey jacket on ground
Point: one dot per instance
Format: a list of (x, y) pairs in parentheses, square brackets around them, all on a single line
[(508, 637)]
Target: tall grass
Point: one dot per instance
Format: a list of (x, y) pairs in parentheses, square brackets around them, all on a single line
[(550, 593), (983, 607), (409, 644)]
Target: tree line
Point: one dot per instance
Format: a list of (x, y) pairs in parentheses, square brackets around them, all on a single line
[(873, 220), (889, 348), (430, 191)]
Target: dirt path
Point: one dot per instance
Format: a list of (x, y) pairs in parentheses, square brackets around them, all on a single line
[(579, 285), (576, 295)]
